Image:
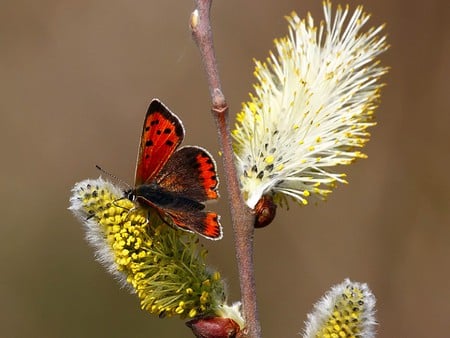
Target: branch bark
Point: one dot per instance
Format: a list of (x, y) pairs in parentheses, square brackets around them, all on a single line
[(241, 216)]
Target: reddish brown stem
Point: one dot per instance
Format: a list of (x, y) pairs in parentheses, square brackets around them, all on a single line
[(241, 216)]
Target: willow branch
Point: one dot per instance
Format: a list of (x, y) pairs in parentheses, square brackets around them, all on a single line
[(241, 216)]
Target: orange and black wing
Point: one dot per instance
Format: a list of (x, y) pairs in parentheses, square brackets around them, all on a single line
[(191, 173), (162, 133), (204, 223)]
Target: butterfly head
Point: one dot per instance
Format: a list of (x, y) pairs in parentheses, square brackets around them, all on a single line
[(130, 194)]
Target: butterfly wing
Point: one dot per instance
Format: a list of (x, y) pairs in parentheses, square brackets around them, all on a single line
[(190, 172), (162, 133), (203, 223)]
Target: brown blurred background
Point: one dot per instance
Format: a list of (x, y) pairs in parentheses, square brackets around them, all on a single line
[(76, 79)]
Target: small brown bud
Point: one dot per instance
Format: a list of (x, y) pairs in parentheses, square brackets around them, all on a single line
[(213, 327), (265, 211)]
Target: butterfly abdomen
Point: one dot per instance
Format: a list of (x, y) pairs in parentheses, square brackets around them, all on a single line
[(152, 194)]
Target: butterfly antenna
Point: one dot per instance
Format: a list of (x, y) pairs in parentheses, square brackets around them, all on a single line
[(113, 177)]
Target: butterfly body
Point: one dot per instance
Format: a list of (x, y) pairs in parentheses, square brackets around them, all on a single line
[(175, 182), (153, 195)]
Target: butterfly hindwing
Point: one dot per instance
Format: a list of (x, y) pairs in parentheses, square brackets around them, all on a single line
[(162, 133), (181, 212), (190, 172), (204, 223)]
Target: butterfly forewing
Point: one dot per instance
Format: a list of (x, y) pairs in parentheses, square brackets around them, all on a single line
[(190, 172), (162, 133)]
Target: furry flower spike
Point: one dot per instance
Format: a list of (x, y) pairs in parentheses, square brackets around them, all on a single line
[(164, 266), (314, 100)]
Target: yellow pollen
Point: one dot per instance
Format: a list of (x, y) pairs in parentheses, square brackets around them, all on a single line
[(269, 159), (204, 297)]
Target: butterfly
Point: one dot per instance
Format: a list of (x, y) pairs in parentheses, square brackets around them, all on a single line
[(175, 182)]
